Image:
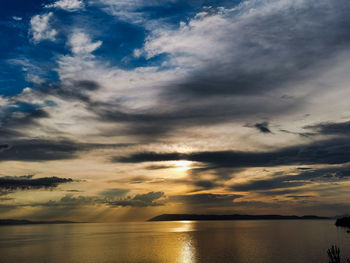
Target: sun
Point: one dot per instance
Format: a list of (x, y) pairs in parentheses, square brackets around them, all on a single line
[(182, 165)]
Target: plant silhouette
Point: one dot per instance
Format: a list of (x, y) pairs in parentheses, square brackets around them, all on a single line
[(334, 255)]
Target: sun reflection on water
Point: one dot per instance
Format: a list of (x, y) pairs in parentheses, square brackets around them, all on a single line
[(188, 252), (184, 226)]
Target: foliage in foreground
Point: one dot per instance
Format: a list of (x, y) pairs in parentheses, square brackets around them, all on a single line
[(334, 255)]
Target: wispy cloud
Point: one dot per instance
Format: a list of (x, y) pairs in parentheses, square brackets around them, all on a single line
[(68, 5)]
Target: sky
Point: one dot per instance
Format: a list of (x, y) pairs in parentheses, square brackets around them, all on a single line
[(121, 110)]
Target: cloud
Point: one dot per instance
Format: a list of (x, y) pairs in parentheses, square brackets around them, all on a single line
[(175, 108), (224, 68), (82, 45), (34, 72), (114, 193), (330, 128), (39, 150), (297, 197), (40, 28), (335, 151), (70, 201), (151, 157), (131, 11), (254, 62), (210, 200), (27, 182), (332, 175), (67, 5), (46, 150), (221, 78), (17, 18), (205, 184), (231, 79), (263, 127), (140, 200)]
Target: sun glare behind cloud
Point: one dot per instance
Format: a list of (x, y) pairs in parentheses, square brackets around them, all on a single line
[(182, 165)]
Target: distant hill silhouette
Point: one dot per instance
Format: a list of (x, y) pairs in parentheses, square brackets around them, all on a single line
[(194, 217), (28, 222)]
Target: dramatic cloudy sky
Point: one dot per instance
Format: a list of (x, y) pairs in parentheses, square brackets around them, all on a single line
[(125, 109)]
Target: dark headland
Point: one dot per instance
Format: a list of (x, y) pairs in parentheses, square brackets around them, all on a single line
[(194, 217), (6, 222), (343, 222)]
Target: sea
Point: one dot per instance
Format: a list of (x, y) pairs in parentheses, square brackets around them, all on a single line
[(244, 241)]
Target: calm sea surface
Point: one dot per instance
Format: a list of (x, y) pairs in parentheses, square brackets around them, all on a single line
[(182, 242)]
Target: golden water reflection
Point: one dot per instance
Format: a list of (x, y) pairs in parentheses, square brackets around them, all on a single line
[(172, 242), (184, 226), (188, 253), (187, 248)]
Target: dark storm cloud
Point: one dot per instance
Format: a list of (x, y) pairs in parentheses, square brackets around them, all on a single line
[(71, 90), (39, 150), (283, 191), (336, 151), (302, 134), (14, 122), (4, 147), (22, 116), (263, 127), (328, 175), (152, 122), (163, 120), (45, 150), (156, 122), (13, 183), (151, 157), (206, 184), (258, 185), (297, 197), (331, 128), (206, 199), (140, 200)]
